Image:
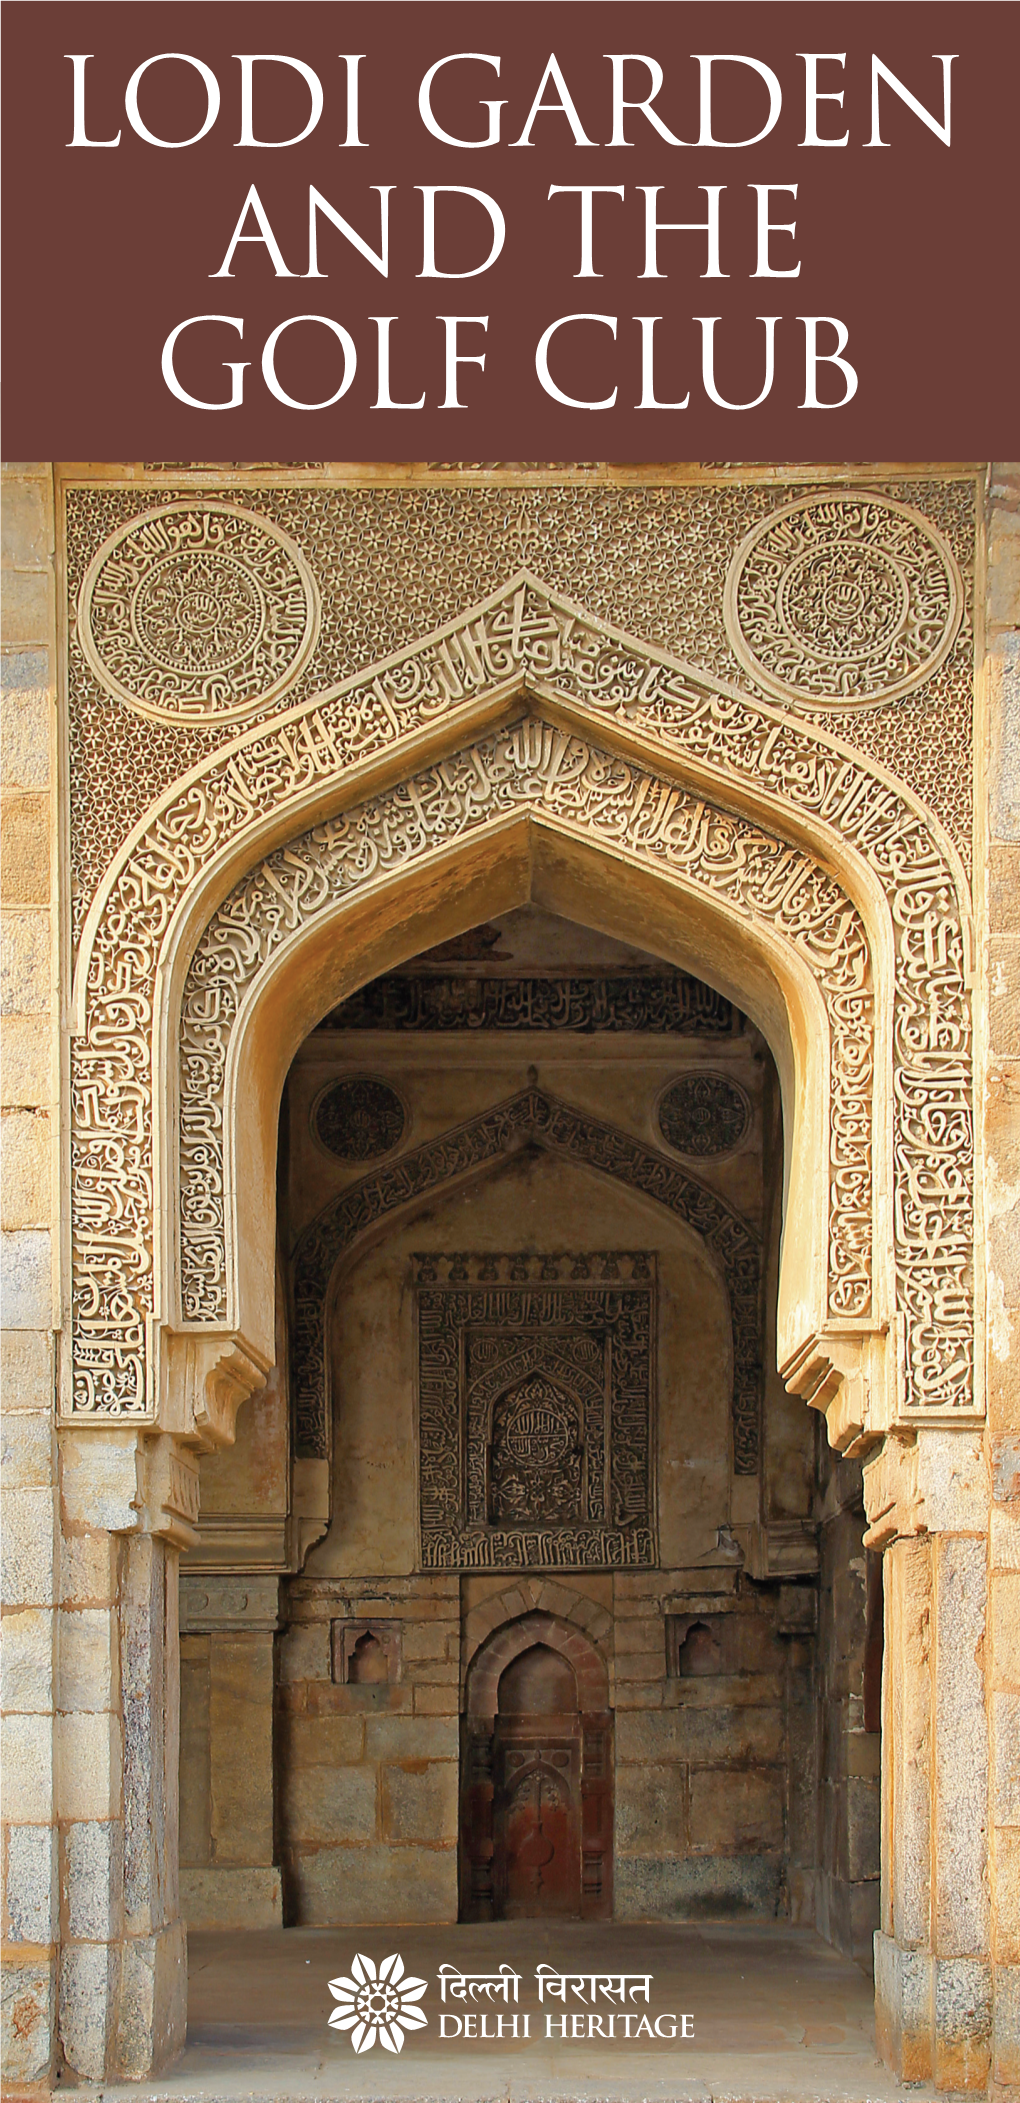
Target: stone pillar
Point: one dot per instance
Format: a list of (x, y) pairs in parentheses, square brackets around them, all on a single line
[(1002, 1222), (928, 1501), (123, 1963), (229, 1875)]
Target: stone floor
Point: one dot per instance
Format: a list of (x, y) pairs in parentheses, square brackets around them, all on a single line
[(778, 2017)]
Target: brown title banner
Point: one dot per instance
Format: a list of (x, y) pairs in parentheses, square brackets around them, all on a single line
[(418, 230)]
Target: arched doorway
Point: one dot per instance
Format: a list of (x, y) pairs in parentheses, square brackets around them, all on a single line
[(536, 1817)]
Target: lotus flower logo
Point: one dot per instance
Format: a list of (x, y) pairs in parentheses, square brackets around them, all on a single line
[(377, 2004)]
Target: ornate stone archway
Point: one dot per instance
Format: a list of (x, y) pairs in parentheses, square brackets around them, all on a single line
[(860, 837)]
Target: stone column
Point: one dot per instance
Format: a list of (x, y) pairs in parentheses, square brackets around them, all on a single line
[(229, 1874), (927, 1498), (122, 1989)]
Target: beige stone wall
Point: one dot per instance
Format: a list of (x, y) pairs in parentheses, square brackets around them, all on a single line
[(33, 1224)]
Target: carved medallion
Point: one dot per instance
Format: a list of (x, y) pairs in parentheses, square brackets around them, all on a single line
[(535, 1411), (843, 598), (198, 611), (358, 1118), (704, 1114)]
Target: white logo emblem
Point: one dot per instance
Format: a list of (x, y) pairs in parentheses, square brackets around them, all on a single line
[(377, 2004)]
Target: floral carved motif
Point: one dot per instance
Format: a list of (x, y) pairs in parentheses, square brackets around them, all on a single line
[(845, 597), (527, 637), (358, 1117), (531, 1118), (704, 1114), (198, 611)]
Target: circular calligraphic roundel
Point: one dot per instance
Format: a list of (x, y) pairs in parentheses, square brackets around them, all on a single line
[(198, 612), (843, 598), (358, 1118), (704, 1114)]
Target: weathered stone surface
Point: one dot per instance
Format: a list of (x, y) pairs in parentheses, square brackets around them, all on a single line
[(26, 1661), (961, 1749), (31, 1884), (26, 1449), (25, 715), (651, 1810), (26, 1547), (234, 1898), (734, 1809), (25, 847), (419, 1802), (333, 1806), (304, 1651), (707, 1887), (25, 966), (701, 1734), (89, 1677), (418, 1738), (26, 1278), (962, 2025), (336, 1885), (88, 1978), (27, 2001), (89, 1765), (91, 1865), (25, 1156)]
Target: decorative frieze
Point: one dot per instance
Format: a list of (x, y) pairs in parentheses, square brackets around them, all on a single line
[(675, 1006)]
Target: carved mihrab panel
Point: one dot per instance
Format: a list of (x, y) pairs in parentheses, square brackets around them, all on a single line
[(535, 1119), (536, 1411), (395, 563)]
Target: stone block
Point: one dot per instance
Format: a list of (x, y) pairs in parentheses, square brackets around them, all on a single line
[(641, 1665), (25, 848), (241, 1746), (27, 1763), (25, 538), (961, 1746), (151, 2011), (325, 1741), (27, 1454), (26, 1061), (27, 1547), (1004, 1538), (697, 1888), (334, 1806), (963, 2023), (26, 1279), (1006, 1737), (1003, 567), (688, 1733), (432, 1672), (864, 1823), (903, 2002), (26, 607), (436, 1701), (419, 1802), (1004, 770), (27, 2003), (1005, 1457), (26, 970), (89, 1679), (640, 1633), (429, 1639), (337, 1886), (1004, 994), (735, 1808), (26, 1370), (651, 1811), (412, 1737), (31, 1887), (26, 1164), (1004, 1603), (25, 716), (26, 1661), (88, 1752), (99, 1480), (91, 1860), (1007, 1895), (305, 1651), (88, 1569), (233, 1898), (1006, 2026)]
